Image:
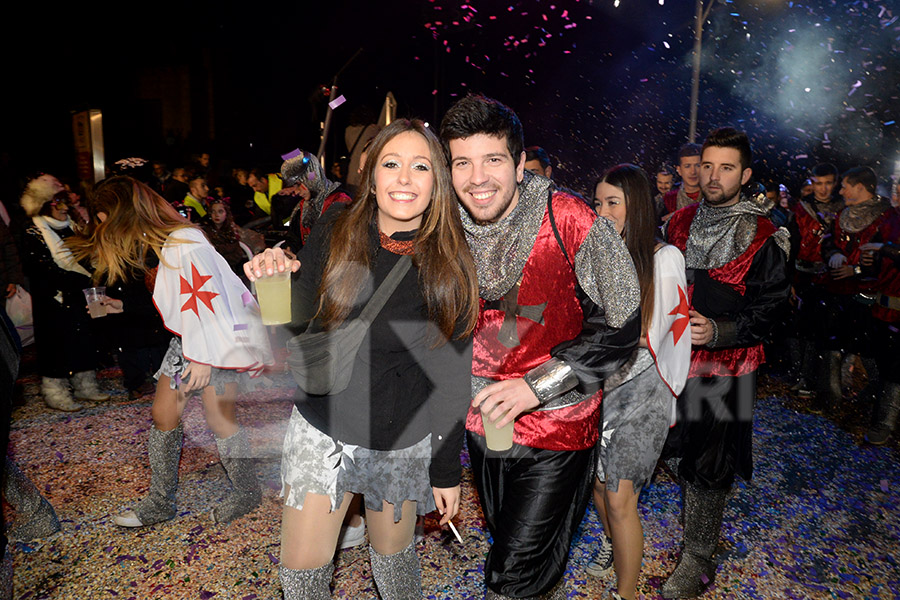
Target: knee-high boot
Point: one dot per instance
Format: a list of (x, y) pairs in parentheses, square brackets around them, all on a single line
[(239, 465), (35, 517), (703, 510), (829, 394), (306, 584), (887, 413), (164, 450), (397, 576)]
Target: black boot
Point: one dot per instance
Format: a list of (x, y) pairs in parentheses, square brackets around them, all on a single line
[(829, 393), (887, 413), (696, 570)]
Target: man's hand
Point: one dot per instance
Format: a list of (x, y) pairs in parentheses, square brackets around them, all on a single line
[(269, 261), (867, 253), (842, 272), (512, 397), (837, 260), (199, 377), (701, 329), (447, 502)]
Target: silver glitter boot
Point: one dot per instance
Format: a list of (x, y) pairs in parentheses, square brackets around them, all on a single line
[(35, 517), (86, 386), (397, 576), (887, 413), (696, 570), (55, 391), (164, 451), (306, 584), (234, 453)]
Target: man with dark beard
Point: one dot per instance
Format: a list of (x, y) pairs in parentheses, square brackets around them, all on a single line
[(735, 264), (559, 312), (813, 217)]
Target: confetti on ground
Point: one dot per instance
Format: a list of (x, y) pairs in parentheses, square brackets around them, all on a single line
[(807, 526)]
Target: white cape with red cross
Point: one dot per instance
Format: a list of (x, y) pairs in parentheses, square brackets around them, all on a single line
[(669, 336), (201, 300)]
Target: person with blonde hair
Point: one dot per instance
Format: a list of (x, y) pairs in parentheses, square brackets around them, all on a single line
[(219, 339), (395, 433)]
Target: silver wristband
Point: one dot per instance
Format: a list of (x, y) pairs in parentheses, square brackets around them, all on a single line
[(551, 379), (715, 337)]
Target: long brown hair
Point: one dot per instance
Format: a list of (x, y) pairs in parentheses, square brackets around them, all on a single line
[(138, 221), (446, 269), (640, 228)]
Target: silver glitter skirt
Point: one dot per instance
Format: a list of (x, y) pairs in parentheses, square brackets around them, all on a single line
[(315, 463), (174, 364)]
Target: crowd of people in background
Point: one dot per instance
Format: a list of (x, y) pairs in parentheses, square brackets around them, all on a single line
[(611, 341)]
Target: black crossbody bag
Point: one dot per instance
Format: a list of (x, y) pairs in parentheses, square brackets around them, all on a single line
[(322, 362)]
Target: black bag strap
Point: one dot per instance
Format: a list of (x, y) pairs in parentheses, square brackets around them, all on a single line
[(385, 290), (555, 230)]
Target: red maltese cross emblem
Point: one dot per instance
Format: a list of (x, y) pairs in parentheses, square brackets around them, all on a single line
[(194, 291)]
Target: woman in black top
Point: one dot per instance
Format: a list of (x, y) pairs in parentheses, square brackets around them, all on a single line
[(395, 434)]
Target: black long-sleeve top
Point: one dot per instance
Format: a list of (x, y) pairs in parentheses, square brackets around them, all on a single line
[(746, 319), (401, 388)]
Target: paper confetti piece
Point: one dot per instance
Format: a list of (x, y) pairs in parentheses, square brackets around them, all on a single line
[(241, 326), (292, 154), (884, 485), (337, 102), (247, 298)]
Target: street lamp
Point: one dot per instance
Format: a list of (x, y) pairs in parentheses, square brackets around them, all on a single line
[(702, 15)]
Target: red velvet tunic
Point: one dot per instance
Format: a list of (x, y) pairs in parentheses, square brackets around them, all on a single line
[(880, 230), (889, 277), (811, 232), (546, 278), (728, 362)]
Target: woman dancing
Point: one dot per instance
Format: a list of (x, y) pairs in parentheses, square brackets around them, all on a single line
[(219, 340)]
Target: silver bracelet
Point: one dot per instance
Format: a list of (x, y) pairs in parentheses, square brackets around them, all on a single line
[(715, 338), (551, 379)]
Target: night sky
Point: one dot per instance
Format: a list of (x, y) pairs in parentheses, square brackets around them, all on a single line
[(594, 83)]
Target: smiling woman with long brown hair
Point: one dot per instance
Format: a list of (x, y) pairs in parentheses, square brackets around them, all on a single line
[(395, 434)]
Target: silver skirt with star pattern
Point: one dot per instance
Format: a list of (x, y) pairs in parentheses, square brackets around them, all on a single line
[(313, 462)]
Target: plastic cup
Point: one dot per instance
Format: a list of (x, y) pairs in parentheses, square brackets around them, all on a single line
[(95, 297), (274, 296), (497, 439)]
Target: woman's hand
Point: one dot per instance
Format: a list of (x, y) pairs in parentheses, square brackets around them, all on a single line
[(447, 502), (270, 261), (195, 377), (113, 305)]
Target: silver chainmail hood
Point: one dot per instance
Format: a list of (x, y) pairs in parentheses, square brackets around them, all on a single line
[(854, 219), (603, 266), (501, 249), (305, 168), (718, 235)]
